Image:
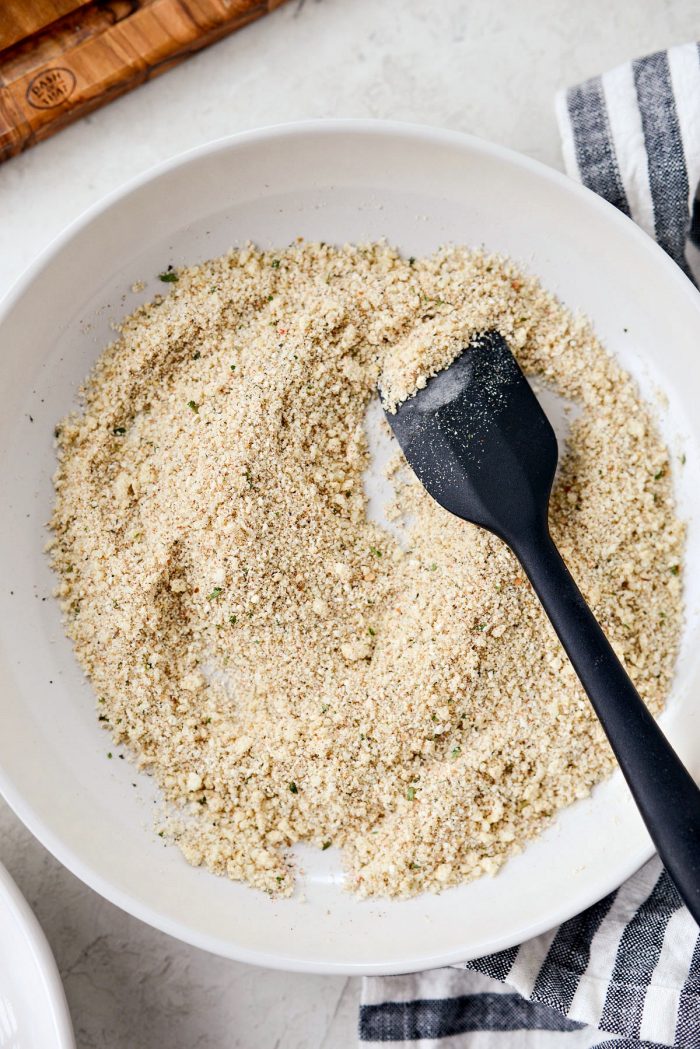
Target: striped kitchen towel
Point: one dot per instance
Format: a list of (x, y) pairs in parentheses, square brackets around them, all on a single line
[(633, 135), (625, 974)]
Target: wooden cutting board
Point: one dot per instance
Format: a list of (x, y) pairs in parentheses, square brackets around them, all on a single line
[(60, 59)]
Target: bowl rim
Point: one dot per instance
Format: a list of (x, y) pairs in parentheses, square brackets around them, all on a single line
[(51, 987), (423, 135)]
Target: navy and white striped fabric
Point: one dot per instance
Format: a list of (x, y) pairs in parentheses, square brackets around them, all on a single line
[(633, 136), (625, 974)]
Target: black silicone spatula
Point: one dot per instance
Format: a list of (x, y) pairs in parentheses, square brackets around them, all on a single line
[(482, 446)]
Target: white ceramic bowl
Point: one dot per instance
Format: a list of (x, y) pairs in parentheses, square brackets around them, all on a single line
[(33, 1010), (331, 181)]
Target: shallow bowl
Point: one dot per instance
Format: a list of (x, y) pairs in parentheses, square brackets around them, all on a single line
[(33, 1010), (332, 181)]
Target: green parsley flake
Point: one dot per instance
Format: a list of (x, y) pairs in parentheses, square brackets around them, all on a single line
[(194, 406), (216, 592), (169, 277), (411, 793), (293, 788)]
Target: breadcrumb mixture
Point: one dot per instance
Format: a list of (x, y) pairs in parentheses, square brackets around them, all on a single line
[(286, 668)]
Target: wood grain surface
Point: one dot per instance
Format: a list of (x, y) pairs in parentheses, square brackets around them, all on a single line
[(71, 62), (21, 18)]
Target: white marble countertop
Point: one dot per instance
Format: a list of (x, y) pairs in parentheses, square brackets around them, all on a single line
[(487, 67)]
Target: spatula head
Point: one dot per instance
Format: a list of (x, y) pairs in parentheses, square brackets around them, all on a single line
[(479, 441)]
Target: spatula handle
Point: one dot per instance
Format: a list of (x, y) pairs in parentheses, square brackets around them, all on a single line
[(665, 793)]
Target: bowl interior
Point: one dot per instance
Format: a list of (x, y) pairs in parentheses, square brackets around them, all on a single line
[(332, 182)]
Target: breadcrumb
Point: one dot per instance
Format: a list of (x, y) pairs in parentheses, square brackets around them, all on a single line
[(286, 668)]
